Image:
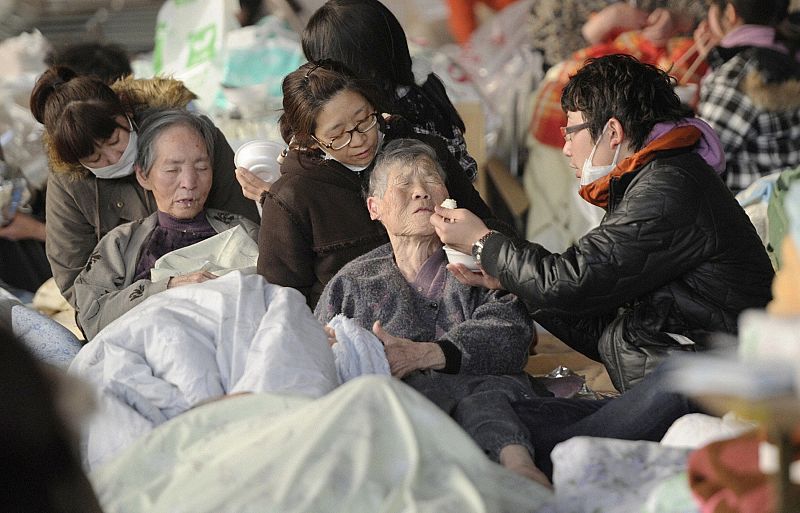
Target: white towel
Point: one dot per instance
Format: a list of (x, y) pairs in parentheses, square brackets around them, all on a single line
[(356, 351)]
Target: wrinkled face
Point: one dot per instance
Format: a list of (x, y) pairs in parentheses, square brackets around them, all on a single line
[(578, 145), (109, 151), (342, 113), (407, 204), (181, 174)]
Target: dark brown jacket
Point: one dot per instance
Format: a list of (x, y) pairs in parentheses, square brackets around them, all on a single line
[(315, 217)]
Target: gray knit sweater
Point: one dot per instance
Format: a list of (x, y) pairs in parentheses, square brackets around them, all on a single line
[(480, 331)]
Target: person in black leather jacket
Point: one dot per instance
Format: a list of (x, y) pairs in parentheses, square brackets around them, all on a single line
[(675, 258)]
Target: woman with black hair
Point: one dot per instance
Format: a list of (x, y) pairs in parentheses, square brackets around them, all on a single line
[(367, 38), (749, 95), (314, 218)]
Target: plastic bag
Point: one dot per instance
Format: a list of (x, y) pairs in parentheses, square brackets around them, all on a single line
[(20, 134), (190, 44), (13, 194), (257, 58), (504, 67)]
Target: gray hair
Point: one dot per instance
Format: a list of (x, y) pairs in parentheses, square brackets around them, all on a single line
[(403, 152), (154, 124)]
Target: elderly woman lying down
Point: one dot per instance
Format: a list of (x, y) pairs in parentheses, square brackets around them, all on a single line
[(174, 164), (464, 348)]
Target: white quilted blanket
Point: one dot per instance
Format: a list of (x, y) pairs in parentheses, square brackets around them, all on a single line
[(190, 344)]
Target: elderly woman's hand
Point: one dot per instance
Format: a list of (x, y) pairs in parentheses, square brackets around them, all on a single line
[(405, 356), (187, 279), (253, 187), (458, 227), (473, 279)]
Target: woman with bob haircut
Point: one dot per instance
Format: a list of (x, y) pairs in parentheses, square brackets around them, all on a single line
[(90, 136), (314, 219), (368, 39)]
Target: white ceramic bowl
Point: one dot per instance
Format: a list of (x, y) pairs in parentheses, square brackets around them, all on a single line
[(457, 257), (260, 158)]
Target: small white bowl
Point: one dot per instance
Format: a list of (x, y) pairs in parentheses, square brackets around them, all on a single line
[(260, 158), (457, 257)]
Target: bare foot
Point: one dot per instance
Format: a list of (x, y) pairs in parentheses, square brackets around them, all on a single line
[(516, 458)]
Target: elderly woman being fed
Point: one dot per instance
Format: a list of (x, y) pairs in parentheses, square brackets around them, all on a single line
[(462, 347), (314, 219), (174, 159)]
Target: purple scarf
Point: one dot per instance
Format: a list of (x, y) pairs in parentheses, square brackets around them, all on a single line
[(171, 234)]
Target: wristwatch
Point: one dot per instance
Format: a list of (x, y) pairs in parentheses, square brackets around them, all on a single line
[(477, 248)]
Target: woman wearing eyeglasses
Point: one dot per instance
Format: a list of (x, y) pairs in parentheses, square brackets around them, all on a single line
[(314, 218)]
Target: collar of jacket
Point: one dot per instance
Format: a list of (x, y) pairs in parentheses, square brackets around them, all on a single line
[(719, 55), (771, 78), (322, 170), (774, 82), (598, 192)]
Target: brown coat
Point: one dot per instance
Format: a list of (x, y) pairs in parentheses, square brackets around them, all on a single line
[(81, 208), (315, 217)]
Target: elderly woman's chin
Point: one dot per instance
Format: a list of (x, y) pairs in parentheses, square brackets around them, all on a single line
[(422, 228)]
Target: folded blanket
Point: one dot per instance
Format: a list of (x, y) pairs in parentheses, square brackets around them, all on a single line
[(49, 341), (228, 251)]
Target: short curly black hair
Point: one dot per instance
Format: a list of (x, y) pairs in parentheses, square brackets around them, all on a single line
[(639, 95)]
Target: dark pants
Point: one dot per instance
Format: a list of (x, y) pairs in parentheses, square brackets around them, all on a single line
[(643, 413), (23, 264), (481, 405)]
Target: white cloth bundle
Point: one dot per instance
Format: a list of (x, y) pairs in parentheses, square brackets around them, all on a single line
[(357, 351), (231, 250)]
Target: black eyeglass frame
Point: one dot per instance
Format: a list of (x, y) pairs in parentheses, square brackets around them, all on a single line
[(349, 133)]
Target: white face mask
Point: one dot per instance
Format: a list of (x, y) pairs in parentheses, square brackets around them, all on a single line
[(356, 169), (124, 166), (590, 172)]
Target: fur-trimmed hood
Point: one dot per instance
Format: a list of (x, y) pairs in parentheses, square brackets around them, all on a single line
[(772, 96), (768, 77), (137, 95)]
